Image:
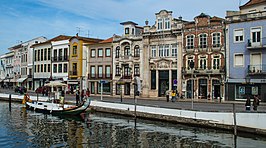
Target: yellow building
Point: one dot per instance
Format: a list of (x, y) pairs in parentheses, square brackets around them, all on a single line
[(78, 56)]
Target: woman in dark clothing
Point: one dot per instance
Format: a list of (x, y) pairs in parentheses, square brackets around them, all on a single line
[(248, 104)]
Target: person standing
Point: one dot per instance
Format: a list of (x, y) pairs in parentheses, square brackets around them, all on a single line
[(167, 95), (255, 103), (173, 96), (77, 97), (248, 104)]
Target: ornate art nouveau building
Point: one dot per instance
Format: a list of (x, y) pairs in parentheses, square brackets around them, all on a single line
[(162, 44), (203, 45)]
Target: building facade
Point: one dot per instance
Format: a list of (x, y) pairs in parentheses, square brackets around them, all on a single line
[(162, 56), (60, 57), (203, 58), (100, 67), (8, 75), (246, 51), (127, 59), (77, 74)]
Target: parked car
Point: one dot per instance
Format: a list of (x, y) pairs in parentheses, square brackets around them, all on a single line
[(20, 89)]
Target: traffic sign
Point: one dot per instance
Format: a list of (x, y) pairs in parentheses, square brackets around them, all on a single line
[(175, 82)]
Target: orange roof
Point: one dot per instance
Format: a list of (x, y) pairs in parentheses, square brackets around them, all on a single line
[(109, 40), (252, 2)]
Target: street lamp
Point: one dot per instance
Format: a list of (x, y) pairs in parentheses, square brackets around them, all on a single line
[(191, 65)]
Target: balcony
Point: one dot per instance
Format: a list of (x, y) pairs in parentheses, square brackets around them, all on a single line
[(257, 69), (60, 59), (99, 76), (185, 70), (189, 48), (260, 44), (73, 73), (203, 48)]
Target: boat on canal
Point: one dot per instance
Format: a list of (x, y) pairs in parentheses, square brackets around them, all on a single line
[(57, 108), (54, 107)]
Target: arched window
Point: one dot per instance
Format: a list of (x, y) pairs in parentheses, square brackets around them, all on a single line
[(136, 51), (203, 40), (127, 51), (117, 52)]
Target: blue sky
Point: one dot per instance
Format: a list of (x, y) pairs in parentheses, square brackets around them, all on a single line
[(22, 20)]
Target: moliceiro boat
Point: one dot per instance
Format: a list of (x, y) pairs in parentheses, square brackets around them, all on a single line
[(57, 109)]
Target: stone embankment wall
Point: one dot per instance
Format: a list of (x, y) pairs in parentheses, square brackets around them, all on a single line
[(246, 122)]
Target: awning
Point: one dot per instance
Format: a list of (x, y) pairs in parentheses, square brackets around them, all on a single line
[(21, 80), (11, 80)]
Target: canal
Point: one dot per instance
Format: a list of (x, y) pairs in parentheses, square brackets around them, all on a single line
[(22, 128)]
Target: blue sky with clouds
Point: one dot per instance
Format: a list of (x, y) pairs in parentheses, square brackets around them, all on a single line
[(22, 20)]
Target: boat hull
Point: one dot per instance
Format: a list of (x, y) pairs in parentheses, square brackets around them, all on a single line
[(57, 109)]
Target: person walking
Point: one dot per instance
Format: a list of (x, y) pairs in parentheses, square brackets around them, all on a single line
[(248, 104), (167, 95), (173, 96), (255, 103)]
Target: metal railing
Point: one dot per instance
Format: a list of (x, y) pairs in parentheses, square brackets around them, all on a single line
[(258, 44), (257, 69)]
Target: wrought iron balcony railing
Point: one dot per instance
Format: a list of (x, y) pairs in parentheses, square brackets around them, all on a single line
[(257, 69)]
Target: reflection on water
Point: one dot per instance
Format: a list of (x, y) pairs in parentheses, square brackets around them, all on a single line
[(22, 128)]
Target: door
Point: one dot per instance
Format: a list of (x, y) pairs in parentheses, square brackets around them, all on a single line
[(202, 88), (255, 37), (255, 65), (163, 82)]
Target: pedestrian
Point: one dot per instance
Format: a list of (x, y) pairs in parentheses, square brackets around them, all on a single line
[(88, 92), (167, 95), (255, 103), (248, 104), (77, 97), (173, 96)]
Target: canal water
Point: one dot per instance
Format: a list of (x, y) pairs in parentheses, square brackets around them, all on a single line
[(22, 128)]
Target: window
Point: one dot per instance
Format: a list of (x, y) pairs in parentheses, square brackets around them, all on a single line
[(100, 71), (65, 68), (153, 51), (45, 54), (55, 55), (174, 50), (60, 54), (166, 50), (38, 69), (133, 31), (190, 42), (117, 52), (239, 35), (92, 71), (75, 68), (202, 62), (117, 70), (190, 59), (216, 62), (239, 60), (167, 23), (100, 52), (136, 70), (49, 53), (45, 68), (75, 48), (256, 35), (41, 54), (93, 53), (59, 68), (160, 24), (35, 68), (136, 51), (35, 55), (127, 30), (216, 40), (49, 68), (161, 51), (107, 52), (127, 71), (65, 53), (38, 55), (153, 79), (108, 71), (55, 68), (203, 41), (41, 67), (127, 51)]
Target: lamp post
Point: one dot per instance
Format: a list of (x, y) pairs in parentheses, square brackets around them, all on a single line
[(191, 65), (121, 71), (247, 79)]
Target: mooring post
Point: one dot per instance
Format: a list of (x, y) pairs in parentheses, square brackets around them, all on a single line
[(234, 112), (10, 102)]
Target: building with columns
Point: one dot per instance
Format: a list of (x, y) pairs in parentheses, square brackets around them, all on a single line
[(203, 57), (162, 56), (127, 59)]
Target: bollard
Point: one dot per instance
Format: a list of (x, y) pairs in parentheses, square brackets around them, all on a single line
[(10, 102), (234, 113)]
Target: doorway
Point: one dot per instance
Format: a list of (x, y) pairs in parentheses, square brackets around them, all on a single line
[(202, 88), (163, 82), (216, 89)]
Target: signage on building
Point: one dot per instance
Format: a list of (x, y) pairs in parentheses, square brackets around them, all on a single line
[(254, 90), (175, 82), (241, 90)]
